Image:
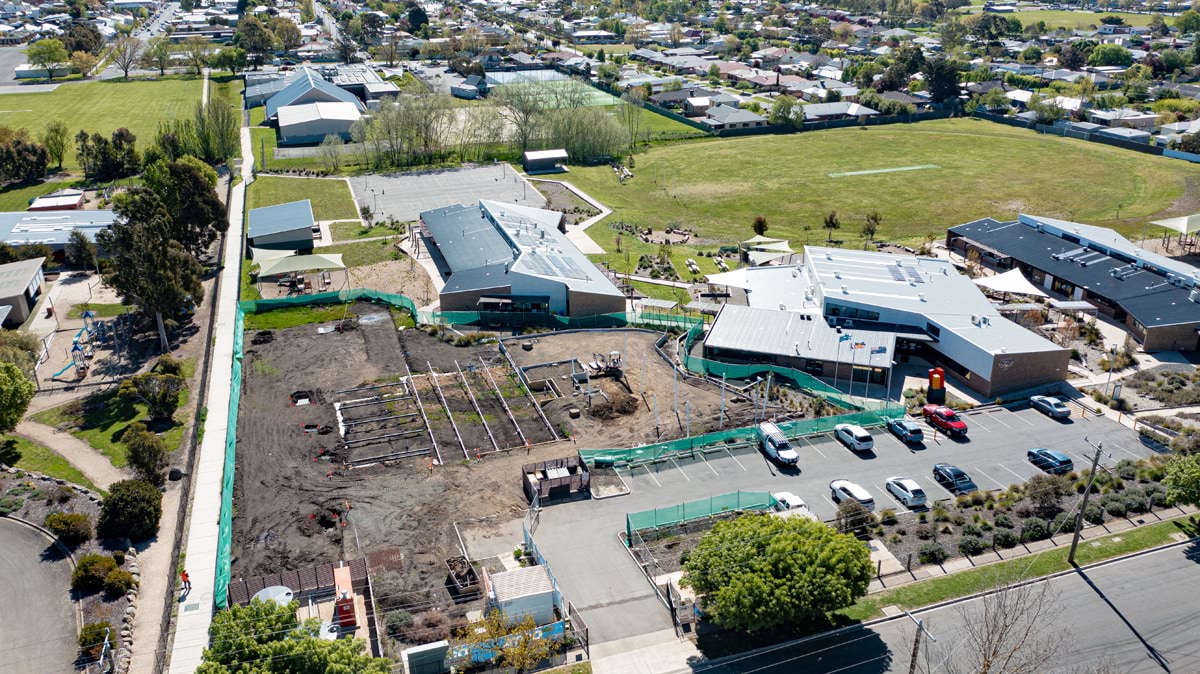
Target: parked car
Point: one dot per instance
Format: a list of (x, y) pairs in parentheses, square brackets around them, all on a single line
[(854, 437), (1050, 406), (776, 444), (944, 419), (788, 504), (845, 490), (906, 491), (1055, 463), (907, 430), (953, 478)]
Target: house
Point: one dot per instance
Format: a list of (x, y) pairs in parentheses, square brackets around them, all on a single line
[(675, 98), (697, 106), (726, 117), (1124, 117), (1123, 133), (20, 287), (281, 227), (816, 112), (503, 256), (472, 87)]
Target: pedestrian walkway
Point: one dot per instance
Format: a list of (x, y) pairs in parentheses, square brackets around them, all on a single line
[(195, 614), (156, 564), (652, 653), (94, 465)]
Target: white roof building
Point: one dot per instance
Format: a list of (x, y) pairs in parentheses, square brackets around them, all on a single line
[(312, 122)]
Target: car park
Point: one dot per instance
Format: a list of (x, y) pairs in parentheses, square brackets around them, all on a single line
[(845, 490), (944, 419), (906, 491), (907, 430), (788, 504), (953, 478), (1055, 463), (776, 444), (855, 437), (1051, 406)]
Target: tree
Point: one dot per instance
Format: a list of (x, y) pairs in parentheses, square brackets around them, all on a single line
[(1044, 491), (267, 638), (158, 392), (518, 649), (388, 51), (80, 250), (187, 193), (522, 107), (331, 153), (84, 62), (988, 27), (1110, 55), (132, 509), (783, 111), (1188, 22), (417, 18), (56, 137), (232, 59), (1071, 58), (831, 223), (146, 266), (676, 34), (941, 78), (196, 54), (16, 390), (853, 517), (871, 226), (49, 54), (1183, 479), (157, 54), (126, 54), (799, 568), (254, 37), (146, 453), (287, 33), (633, 102), (347, 50), (952, 32), (1031, 54), (759, 226), (23, 161)]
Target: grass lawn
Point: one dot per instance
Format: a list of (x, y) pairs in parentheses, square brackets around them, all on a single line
[(661, 292), (258, 115), (349, 231), (104, 106), (249, 291), (718, 186), (330, 197), (363, 253), (104, 419), (28, 455), (100, 310), (291, 317), (1071, 20), (18, 198)]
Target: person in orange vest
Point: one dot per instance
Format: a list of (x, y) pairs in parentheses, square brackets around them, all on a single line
[(187, 582)]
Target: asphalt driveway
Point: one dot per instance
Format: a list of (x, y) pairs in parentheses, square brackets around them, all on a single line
[(35, 581)]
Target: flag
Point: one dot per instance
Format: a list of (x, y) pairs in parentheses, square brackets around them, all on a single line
[(879, 349), (858, 345), (843, 338)]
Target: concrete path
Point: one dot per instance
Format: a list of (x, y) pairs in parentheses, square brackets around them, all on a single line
[(158, 573), (35, 591), (651, 653), (204, 92), (90, 462), (659, 281), (195, 614)]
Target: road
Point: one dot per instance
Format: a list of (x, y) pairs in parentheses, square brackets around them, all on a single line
[(329, 22), (1135, 615), (39, 635), (148, 30)]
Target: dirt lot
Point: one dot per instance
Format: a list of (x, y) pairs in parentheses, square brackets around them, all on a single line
[(292, 512), (613, 422)]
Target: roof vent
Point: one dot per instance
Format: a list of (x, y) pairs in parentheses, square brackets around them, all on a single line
[(921, 296), (845, 291), (837, 274), (899, 263), (1194, 296)]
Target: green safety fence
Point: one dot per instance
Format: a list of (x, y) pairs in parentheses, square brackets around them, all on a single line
[(695, 510), (225, 524), (792, 429)]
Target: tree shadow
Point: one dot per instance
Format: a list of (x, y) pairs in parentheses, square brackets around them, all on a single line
[(10, 452), (814, 645)]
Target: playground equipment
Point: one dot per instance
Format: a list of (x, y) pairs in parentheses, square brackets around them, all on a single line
[(83, 345)]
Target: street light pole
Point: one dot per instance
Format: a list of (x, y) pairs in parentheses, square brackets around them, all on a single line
[(1112, 360), (912, 662), (1099, 447)]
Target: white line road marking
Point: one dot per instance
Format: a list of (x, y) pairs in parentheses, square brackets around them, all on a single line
[(897, 441), (714, 470), (888, 494), (1011, 471), (735, 460), (938, 485), (829, 502), (1124, 450), (681, 470), (980, 471), (810, 444), (1020, 417), (650, 474), (975, 421), (993, 417)]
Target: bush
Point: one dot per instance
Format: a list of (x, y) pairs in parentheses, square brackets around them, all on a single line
[(146, 452), (958, 520), (119, 557), (118, 582), (1003, 521), (133, 508), (1114, 505), (91, 639), (888, 517), (923, 532), (398, 621), (10, 504), (90, 572), (1034, 529), (1063, 522), (70, 528), (971, 545), (1094, 513), (972, 530), (1127, 469), (1005, 538), (940, 514), (932, 553)]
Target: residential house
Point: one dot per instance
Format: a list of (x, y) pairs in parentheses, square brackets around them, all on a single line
[(726, 117), (1125, 117), (818, 112)]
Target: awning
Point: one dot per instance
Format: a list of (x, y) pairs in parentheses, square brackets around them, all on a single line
[(1011, 281), (760, 239), (761, 257), (735, 278), (1184, 225), (779, 247), (1074, 305), (653, 303), (285, 265)]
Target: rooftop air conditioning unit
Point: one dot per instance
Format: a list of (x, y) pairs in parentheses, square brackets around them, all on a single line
[(974, 319), (1194, 295)]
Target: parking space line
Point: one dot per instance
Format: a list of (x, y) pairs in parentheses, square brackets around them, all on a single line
[(829, 502), (681, 469), (1125, 450), (938, 485), (1020, 417), (648, 472), (1086, 461), (714, 470), (980, 471), (1011, 471), (888, 494), (896, 440), (735, 459), (810, 444), (975, 421), (992, 417)]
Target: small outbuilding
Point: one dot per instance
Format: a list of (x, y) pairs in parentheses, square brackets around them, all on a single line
[(70, 199), (312, 122), (544, 161), (520, 593), (20, 287), (281, 227)]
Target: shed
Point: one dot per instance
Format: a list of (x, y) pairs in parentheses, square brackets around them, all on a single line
[(312, 122), (527, 591), (544, 161), (281, 227), (20, 287), (63, 200)]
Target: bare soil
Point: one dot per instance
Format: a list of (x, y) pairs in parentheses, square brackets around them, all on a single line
[(560, 198)]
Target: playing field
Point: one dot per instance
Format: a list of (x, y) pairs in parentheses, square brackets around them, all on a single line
[(1056, 18), (979, 169), (103, 107)]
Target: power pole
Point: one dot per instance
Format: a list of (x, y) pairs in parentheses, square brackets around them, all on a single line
[(912, 663), (1099, 447)]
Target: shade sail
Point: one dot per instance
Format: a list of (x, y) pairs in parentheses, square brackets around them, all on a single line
[(261, 255), (1012, 281), (285, 265), (759, 238), (758, 257), (1185, 225), (778, 247)]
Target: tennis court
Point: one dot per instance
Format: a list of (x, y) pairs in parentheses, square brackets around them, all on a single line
[(553, 83)]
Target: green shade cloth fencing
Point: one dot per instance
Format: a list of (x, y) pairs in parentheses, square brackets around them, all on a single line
[(225, 523), (695, 510)]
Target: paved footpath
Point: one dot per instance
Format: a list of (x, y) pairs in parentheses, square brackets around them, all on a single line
[(90, 462)]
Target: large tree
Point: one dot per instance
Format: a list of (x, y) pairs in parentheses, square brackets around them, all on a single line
[(127, 53), (56, 137), (131, 510), (146, 266), (522, 107), (758, 572), (1110, 55), (287, 33), (269, 639), (195, 53), (941, 76), (254, 37), (15, 393), (48, 54), (197, 214), (417, 18), (232, 59), (157, 55), (1183, 479)]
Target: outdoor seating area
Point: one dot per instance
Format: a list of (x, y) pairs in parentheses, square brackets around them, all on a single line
[(300, 283), (282, 273)]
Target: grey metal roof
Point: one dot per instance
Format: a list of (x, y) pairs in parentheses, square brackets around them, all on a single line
[(15, 276), (479, 278), (795, 334), (52, 228), (5, 311), (305, 81), (280, 218)]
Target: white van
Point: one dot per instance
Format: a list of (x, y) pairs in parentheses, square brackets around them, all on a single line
[(776, 444)]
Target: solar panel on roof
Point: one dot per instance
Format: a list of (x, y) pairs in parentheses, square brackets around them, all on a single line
[(897, 273), (915, 276)]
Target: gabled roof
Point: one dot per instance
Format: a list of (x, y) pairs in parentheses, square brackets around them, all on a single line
[(279, 218), (306, 80)]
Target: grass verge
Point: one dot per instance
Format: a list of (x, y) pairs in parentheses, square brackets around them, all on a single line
[(350, 231), (29, 455), (99, 309), (363, 253), (290, 317)]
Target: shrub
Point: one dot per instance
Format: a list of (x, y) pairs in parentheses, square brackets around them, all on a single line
[(922, 517), (91, 639), (923, 532), (1094, 513), (894, 539), (1063, 522), (932, 553), (10, 504), (1127, 469), (1004, 538), (1024, 510), (971, 545), (119, 557), (90, 572), (397, 621), (59, 494), (1034, 529), (146, 451), (958, 520), (940, 514), (133, 508), (1114, 505), (887, 517), (70, 528), (1137, 501), (118, 582), (1003, 521), (972, 530)]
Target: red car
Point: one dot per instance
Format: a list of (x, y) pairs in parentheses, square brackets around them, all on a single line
[(944, 419)]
